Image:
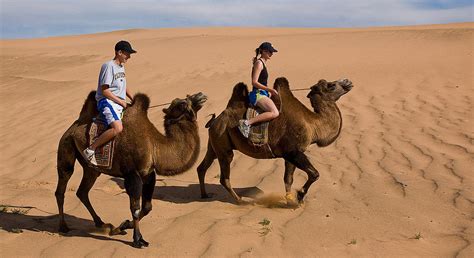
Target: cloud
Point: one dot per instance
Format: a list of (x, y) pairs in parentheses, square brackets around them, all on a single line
[(38, 18)]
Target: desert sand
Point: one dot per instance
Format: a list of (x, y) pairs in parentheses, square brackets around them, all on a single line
[(397, 182)]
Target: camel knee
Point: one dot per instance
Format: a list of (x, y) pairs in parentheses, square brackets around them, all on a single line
[(81, 195), (59, 195), (146, 209), (314, 176), (224, 182)]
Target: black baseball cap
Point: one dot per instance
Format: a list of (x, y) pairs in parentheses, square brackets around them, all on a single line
[(267, 46), (124, 46)]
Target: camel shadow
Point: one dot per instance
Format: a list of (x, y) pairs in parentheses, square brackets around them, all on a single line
[(19, 223), (192, 192)]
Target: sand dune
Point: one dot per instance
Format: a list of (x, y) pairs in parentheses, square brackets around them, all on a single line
[(397, 182)]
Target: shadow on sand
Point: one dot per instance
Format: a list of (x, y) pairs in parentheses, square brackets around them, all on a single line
[(18, 223), (192, 192)]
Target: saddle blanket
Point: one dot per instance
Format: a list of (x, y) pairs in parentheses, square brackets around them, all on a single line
[(258, 133), (104, 154)]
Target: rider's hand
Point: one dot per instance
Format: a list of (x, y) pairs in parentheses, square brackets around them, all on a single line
[(123, 103), (273, 91)]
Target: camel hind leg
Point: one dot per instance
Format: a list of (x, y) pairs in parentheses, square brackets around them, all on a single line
[(134, 187), (88, 179), (203, 167), (65, 166)]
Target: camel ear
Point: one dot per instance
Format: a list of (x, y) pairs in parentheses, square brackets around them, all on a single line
[(322, 83), (316, 89)]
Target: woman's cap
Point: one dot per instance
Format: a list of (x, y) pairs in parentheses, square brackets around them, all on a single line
[(124, 46), (267, 46)]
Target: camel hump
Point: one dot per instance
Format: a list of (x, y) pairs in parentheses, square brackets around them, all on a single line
[(240, 90), (141, 101), (240, 95), (89, 109), (281, 82)]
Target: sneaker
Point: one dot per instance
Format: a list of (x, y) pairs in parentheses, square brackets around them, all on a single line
[(90, 156), (244, 128)]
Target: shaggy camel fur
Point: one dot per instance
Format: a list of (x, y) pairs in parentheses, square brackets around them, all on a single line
[(290, 134), (140, 151)]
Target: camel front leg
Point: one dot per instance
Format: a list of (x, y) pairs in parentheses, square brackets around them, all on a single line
[(288, 179), (134, 186), (147, 195), (300, 160)]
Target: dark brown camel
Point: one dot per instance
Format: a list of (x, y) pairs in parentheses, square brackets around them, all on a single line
[(140, 151), (290, 134)]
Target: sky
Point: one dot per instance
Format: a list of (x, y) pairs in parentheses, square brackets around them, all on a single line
[(45, 18)]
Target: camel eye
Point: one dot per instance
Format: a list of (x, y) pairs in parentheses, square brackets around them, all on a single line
[(331, 87)]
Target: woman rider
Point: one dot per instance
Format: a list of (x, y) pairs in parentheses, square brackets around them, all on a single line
[(260, 94)]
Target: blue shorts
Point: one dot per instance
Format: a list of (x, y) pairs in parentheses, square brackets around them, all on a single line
[(256, 94), (109, 111)]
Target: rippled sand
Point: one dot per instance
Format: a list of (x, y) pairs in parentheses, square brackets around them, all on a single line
[(397, 182)]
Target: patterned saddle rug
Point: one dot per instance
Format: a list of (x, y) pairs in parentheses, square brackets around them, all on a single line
[(104, 154), (258, 133)]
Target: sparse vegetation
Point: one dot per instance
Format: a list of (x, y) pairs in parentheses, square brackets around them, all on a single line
[(352, 242), (17, 230), (19, 211), (265, 227), (417, 236), (264, 222), (14, 210)]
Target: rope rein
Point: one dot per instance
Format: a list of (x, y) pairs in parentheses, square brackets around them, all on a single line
[(160, 105)]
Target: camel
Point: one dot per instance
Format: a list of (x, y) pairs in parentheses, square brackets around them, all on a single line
[(140, 152), (289, 134)]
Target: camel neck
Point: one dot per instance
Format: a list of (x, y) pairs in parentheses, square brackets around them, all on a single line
[(326, 121), (178, 149)]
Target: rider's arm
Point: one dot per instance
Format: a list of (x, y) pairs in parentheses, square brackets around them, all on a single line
[(108, 94)]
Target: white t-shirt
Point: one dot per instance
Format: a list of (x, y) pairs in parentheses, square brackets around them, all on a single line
[(113, 75)]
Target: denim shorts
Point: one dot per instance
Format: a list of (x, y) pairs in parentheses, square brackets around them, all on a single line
[(256, 94)]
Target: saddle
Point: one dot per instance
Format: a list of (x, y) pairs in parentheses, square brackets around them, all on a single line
[(259, 132), (103, 154)]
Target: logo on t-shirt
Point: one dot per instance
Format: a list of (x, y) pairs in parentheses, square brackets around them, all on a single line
[(119, 75)]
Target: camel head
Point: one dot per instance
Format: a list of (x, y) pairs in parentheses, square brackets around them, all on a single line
[(185, 108), (330, 91)]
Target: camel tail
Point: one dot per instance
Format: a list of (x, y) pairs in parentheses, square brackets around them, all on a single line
[(89, 109), (209, 123)]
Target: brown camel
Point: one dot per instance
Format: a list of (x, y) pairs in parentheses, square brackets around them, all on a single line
[(140, 151), (289, 134)]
